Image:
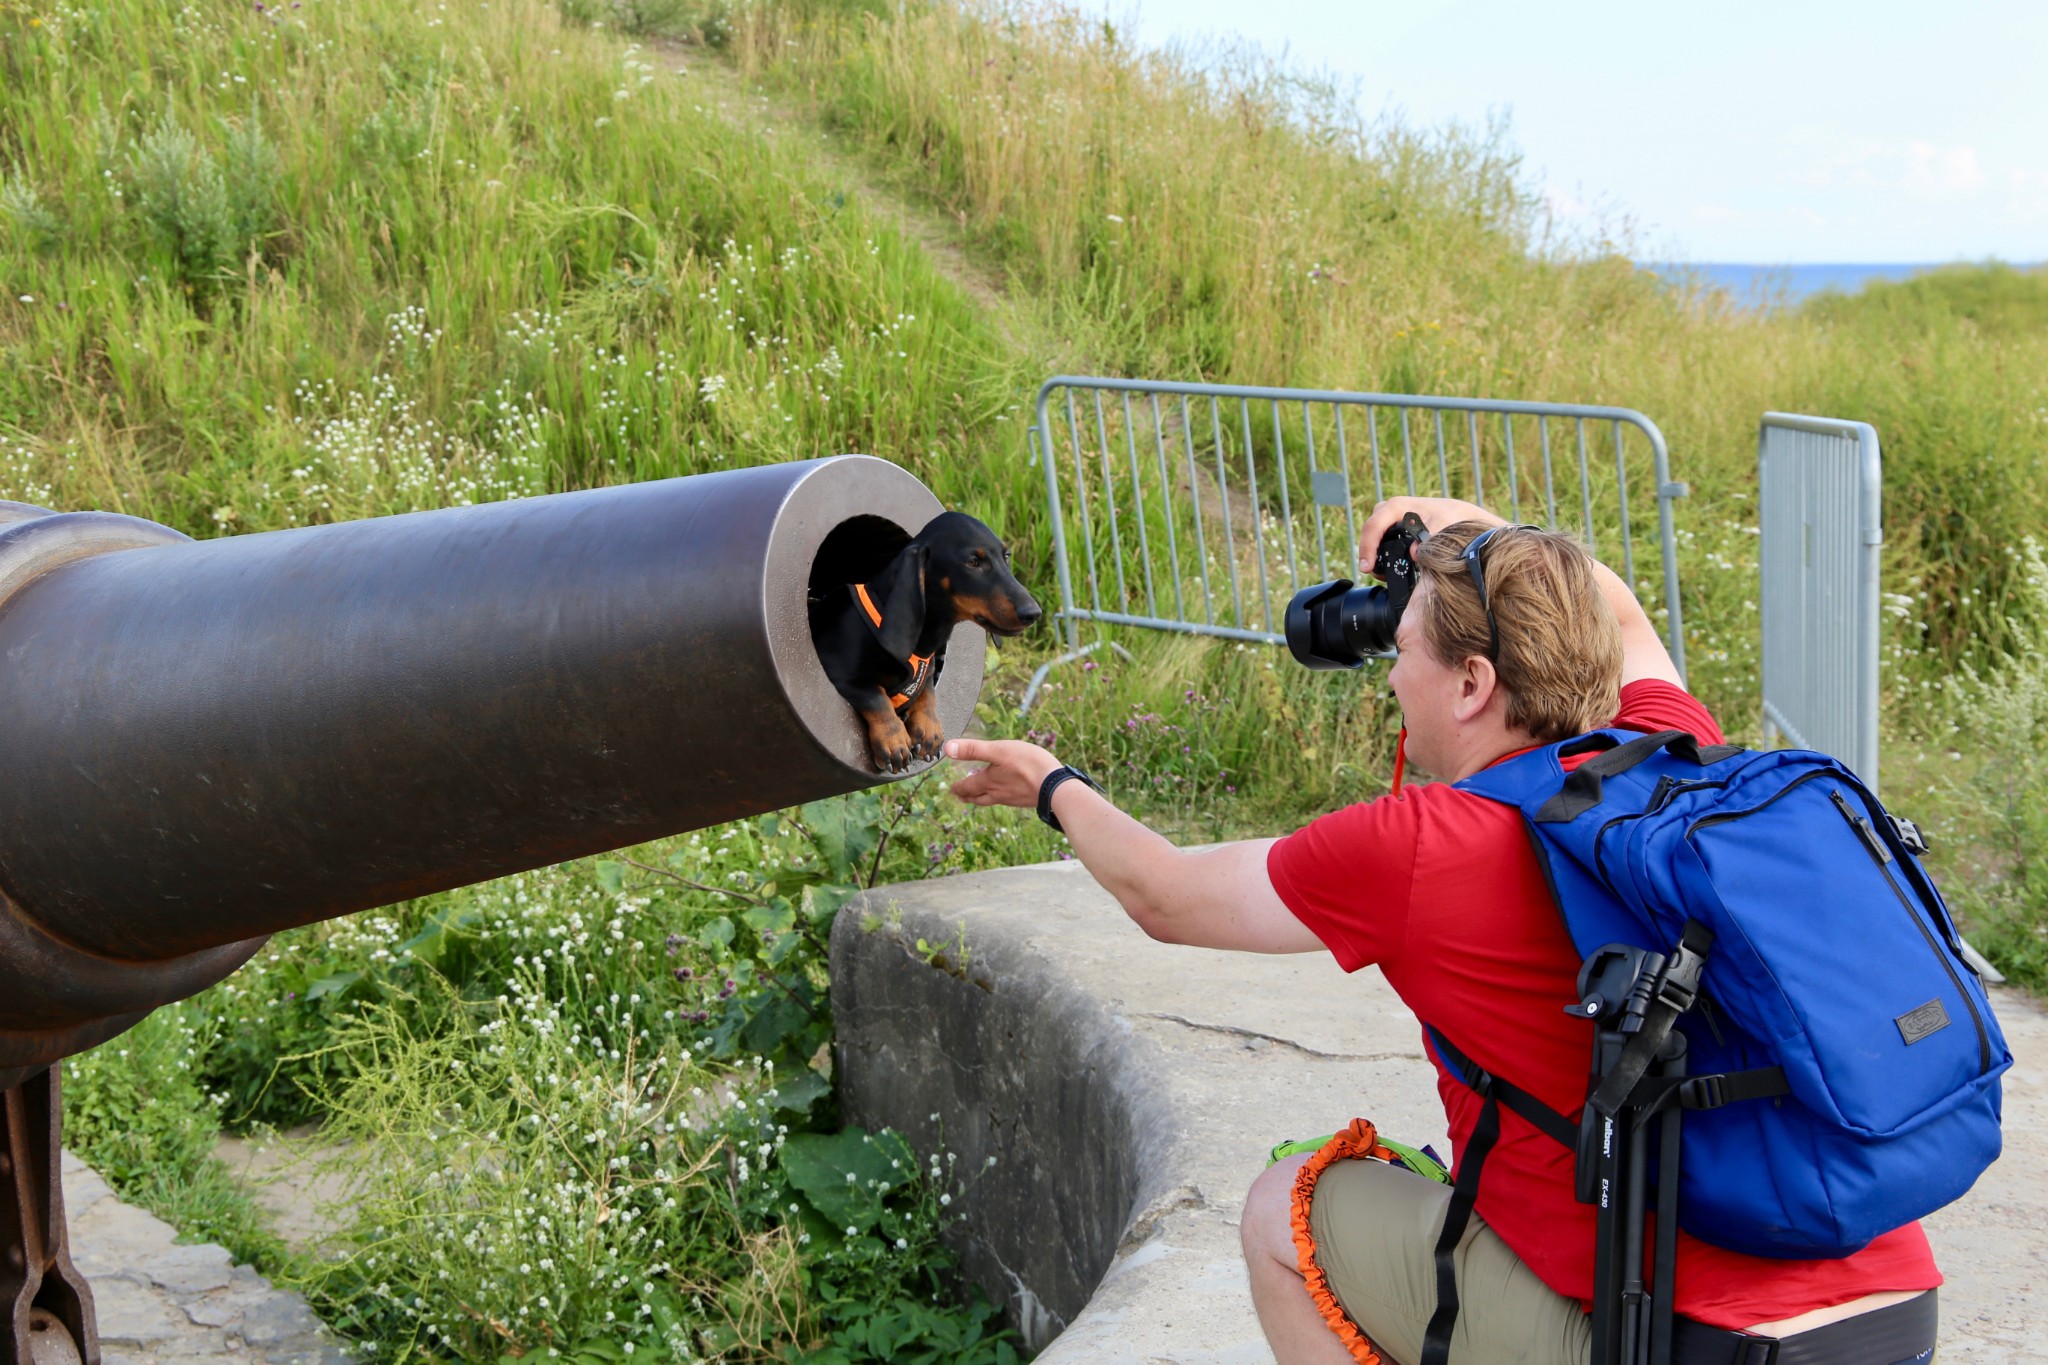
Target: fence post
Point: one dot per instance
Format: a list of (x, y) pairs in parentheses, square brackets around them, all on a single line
[(1820, 496)]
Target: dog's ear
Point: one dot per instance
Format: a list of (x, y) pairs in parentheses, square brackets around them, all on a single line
[(898, 593)]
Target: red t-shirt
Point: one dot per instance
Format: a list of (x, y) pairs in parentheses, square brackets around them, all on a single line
[(1441, 889)]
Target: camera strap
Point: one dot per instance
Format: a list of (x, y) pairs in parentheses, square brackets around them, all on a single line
[(1400, 762)]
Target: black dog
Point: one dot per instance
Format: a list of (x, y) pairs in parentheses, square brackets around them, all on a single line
[(883, 642)]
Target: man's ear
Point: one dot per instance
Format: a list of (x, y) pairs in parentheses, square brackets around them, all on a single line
[(1477, 682), (899, 594)]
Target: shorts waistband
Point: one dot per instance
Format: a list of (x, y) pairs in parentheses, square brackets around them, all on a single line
[(1897, 1334)]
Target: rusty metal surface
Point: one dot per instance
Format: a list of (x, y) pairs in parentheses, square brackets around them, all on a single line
[(204, 742), (46, 1303)]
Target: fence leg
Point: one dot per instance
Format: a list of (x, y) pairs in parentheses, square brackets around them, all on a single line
[(1038, 678)]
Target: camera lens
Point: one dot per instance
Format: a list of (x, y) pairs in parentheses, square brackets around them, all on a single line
[(1335, 625)]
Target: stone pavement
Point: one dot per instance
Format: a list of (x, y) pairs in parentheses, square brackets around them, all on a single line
[(1128, 1091), (160, 1303)]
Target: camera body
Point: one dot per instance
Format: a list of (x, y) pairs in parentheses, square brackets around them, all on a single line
[(1335, 625)]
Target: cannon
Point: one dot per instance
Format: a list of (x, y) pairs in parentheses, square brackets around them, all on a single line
[(205, 742)]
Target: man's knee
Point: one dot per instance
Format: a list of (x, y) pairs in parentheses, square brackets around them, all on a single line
[(1267, 1228)]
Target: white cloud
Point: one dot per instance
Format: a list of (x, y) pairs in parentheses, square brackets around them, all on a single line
[(1941, 170), (1824, 158)]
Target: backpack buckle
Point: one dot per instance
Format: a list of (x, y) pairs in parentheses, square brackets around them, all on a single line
[(1909, 834), (1679, 985), (1703, 1092)]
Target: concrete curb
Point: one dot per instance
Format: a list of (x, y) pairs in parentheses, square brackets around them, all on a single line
[(1129, 1091), (159, 1302)]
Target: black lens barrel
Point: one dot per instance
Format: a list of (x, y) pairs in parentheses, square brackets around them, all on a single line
[(1336, 624)]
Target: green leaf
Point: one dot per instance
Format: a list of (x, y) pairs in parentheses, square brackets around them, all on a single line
[(821, 903), (716, 933), (611, 876), (792, 878), (819, 1166), (799, 1093), (770, 826), (431, 944), (781, 946), (776, 917), (774, 1024), (845, 830), (334, 983)]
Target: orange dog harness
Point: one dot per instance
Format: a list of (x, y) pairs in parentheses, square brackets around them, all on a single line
[(921, 666)]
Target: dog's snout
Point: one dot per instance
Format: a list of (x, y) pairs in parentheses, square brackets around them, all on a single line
[(1028, 612)]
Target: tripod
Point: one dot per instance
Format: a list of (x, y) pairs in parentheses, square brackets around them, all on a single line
[(1631, 1321)]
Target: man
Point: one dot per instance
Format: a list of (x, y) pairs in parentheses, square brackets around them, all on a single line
[(1440, 889)]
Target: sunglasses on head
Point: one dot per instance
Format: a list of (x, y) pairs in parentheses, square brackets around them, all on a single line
[(1476, 566)]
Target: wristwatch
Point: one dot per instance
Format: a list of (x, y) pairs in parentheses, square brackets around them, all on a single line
[(1051, 785)]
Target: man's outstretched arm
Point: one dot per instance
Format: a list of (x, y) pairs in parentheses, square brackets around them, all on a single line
[(1216, 897)]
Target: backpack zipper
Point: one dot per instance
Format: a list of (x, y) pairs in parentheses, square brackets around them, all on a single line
[(1881, 856), (1723, 816), (1667, 790)]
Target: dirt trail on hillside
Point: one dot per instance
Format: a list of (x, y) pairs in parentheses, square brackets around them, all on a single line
[(722, 89)]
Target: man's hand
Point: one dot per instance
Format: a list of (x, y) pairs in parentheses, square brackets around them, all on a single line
[(1436, 513), (1216, 897), (1642, 650), (1014, 774)]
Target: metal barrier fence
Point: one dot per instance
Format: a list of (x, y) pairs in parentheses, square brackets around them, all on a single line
[(1202, 508), (1820, 513)]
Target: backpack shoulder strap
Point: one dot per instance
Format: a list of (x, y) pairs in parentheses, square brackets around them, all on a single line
[(1436, 1341), (1540, 1116)]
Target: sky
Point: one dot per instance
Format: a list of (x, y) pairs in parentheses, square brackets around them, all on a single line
[(1794, 132)]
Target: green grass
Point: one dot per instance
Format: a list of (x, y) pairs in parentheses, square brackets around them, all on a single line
[(269, 267)]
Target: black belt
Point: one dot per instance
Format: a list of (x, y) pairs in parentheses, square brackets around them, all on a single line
[(1893, 1335)]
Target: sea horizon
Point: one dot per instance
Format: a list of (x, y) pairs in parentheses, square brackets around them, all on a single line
[(1757, 283)]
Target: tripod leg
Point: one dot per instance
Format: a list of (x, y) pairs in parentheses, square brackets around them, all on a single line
[(1634, 1328), (1608, 1184), (1664, 1268)]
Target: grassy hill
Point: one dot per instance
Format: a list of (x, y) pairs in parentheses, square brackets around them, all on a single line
[(267, 265)]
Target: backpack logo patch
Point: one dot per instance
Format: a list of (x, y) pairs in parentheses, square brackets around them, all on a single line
[(1917, 1024)]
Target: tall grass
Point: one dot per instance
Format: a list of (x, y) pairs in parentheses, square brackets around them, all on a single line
[(1228, 220)]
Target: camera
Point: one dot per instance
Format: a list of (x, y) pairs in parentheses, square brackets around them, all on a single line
[(1335, 625)]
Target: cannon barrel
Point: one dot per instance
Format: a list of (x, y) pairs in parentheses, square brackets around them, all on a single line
[(203, 742)]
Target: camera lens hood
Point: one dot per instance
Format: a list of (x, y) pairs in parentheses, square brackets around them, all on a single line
[(1315, 631)]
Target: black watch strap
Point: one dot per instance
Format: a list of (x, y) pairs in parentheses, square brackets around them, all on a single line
[(1052, 784)]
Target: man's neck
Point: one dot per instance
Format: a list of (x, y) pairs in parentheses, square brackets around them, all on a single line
[(1482, 751)]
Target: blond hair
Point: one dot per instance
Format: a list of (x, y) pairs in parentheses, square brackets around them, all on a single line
[(1560, 646)]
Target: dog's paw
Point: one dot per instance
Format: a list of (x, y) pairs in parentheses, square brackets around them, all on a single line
[(890, 745), (926, 735), (896, 757)]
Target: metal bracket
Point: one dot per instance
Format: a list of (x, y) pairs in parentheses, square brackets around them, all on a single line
[(47, 1302), (1038, 678)]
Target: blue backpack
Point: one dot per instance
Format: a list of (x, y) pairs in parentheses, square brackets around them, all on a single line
[(1842, 1059)]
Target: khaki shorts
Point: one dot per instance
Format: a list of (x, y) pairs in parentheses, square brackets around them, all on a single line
[(1375, 1228)]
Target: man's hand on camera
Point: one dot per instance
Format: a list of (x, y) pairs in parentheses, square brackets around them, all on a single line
[(1014, 773), (1436, 513)]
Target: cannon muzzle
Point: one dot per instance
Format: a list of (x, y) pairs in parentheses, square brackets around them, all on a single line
[(208, 741)]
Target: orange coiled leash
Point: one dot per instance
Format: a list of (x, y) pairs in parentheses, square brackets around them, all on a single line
[(1361, 1139)]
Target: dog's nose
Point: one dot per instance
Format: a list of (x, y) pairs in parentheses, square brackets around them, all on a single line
[(1029, 613)]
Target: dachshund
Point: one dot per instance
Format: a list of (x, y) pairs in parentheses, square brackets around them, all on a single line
[(883, 642)]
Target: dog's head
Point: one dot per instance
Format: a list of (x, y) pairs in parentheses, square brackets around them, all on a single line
[(953, 570)]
